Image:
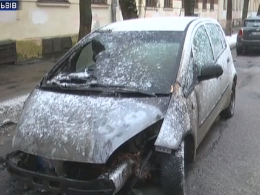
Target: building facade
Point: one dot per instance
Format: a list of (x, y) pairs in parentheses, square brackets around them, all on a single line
[(50, 18), (49, 27)]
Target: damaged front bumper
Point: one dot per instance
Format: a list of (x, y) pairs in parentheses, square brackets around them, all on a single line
[(109, 184)]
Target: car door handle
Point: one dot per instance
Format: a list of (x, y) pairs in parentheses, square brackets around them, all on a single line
[(228, 60)]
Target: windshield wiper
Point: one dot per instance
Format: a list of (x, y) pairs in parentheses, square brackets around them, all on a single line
[(80, 82), (123, 88)]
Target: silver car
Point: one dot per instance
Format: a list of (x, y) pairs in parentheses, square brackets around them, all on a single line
[(130, 103)]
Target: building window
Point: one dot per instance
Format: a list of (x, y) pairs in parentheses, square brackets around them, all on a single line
[(53, 1), (211, 4), (225, 5), (168, 3), (204, 4), (151, 3), (99, 1), (196, 5)]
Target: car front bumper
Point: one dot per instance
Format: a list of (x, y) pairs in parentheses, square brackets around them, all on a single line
[(57, 184)]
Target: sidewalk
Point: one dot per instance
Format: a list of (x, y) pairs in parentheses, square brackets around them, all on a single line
[(236, 29), (17, 80), (232, 40)]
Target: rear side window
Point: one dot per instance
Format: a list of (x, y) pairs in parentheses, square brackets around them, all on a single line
[(222, 36), (252, 23), (215, 37)]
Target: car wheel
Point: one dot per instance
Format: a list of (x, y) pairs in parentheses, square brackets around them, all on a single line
[(173, 172), (229, 111), (239, 51)]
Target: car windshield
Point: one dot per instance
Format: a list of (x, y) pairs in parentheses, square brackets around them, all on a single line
[(141, 60), (252, 23)]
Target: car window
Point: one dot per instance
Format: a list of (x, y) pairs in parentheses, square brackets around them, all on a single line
[(215, 37), (144, 60), (202, 51), (252, 23), (222, 36)]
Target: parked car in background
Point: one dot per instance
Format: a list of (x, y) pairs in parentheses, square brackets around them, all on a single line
[(130, 103), (248, 36)]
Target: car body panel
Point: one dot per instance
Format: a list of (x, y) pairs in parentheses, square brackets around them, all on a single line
[(82, 128), (180, 120), (196, 113)]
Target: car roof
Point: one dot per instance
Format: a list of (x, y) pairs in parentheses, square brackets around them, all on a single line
[(152, 24), (253, 18)]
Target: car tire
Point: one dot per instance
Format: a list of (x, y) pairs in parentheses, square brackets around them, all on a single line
[(147, 190), (173, 172), (239, 51), (229, 111)]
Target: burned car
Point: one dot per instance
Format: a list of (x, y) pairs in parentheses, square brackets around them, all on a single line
[(129, 104)]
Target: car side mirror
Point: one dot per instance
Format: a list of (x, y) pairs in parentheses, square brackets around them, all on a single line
[(210, 72)]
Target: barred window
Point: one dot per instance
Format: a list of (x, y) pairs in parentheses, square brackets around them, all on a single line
[(211, 4), (168, 3), (99, 1), (151, 3), (53, 1), (204, 4), (196, 5)]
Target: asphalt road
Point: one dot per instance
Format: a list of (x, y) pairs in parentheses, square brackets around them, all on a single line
[(228, 160)]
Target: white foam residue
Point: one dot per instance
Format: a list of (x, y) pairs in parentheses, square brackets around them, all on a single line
[(14, 101), (232, 40)]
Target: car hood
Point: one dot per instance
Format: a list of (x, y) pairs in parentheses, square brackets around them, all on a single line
[(81, 128)]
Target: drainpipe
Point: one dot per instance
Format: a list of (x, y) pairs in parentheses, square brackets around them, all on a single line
[(113, 10)]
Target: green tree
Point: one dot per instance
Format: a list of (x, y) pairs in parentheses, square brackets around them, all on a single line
[(128, 9), (229, 17), (85, 14), (245, 10), (189, 7)]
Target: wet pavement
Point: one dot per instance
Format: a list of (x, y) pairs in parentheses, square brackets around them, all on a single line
[(16, 80), (228, 159)]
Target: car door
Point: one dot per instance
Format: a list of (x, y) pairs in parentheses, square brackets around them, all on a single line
[(222, 59), (207, 91)]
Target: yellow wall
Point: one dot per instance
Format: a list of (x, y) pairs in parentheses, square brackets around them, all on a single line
[(37, 20)]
